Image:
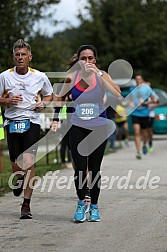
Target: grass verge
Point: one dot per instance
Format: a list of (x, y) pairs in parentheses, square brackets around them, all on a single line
[(41, 168)]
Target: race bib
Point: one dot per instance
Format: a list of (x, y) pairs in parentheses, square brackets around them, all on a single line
[(87, 111), (19, 126)]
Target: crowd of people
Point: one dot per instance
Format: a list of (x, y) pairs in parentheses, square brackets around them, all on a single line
[(25, 92)]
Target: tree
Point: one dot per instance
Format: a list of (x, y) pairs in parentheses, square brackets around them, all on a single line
[(17, 18), (130, 30), (50, 54)]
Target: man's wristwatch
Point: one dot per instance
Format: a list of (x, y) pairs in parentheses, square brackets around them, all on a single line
[(100, 73)]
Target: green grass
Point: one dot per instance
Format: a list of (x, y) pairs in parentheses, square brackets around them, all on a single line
[(41, 168), (4, 175)]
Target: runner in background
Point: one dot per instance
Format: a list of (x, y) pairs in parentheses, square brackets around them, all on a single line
[(140, 116)]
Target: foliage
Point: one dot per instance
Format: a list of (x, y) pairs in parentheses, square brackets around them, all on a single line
[(120, 29), (17, 17), (130, 30), (50, 54)]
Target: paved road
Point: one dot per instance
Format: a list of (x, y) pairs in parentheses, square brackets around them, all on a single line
[(132, 219)]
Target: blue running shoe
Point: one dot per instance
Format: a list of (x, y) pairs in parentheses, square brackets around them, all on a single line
[(94, 213), (145, 149), (80, 214)]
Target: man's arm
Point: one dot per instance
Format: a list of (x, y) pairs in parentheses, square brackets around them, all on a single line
[(14, 100), (40, 105)]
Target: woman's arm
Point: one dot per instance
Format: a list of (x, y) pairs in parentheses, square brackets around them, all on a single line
[(59, 100), (108, 83), (104, 79)]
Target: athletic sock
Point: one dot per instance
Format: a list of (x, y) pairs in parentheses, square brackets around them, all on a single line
[(27, 201), (150, 143)]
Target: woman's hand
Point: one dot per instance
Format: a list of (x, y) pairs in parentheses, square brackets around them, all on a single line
[(90, 67)]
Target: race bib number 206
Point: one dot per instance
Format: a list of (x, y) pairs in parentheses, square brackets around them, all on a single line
[(87, 111)]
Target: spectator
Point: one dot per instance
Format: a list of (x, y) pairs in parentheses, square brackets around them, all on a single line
[(122, 124)]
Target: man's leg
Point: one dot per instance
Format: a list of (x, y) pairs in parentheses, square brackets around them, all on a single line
[(144, 136), (15, 168), (126, 128), (137, 137), (28, 164), (20, 179), (28, 161), (145, 139), (137, 140), (144, 130)]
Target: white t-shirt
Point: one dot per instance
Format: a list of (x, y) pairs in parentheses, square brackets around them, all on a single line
[(30, 86)]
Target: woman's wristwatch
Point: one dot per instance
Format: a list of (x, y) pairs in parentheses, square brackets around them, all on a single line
[(100, 73)]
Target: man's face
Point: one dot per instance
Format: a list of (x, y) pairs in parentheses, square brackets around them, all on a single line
[(22, 57), (139, 79)]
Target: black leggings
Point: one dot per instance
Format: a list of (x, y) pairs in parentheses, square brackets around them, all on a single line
[(65, 149), (92, 162)]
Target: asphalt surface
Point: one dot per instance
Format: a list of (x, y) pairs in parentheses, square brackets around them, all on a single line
[(133, 209)]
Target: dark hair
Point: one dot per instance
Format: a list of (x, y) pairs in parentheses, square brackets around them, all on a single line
[(73, 61), (84, 47)]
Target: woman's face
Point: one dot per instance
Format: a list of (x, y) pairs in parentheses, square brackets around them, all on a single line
[(87, 56)]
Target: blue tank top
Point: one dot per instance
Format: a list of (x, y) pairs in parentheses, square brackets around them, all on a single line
[(88, 104)]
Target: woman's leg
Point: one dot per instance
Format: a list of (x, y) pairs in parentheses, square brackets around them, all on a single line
[(94, 164), (76, 135)]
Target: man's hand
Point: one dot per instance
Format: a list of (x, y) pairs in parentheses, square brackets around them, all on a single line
[(15, 100), (40, 105)]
